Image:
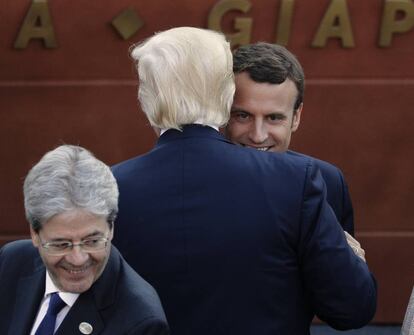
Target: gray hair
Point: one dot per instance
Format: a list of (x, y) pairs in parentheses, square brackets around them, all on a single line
[(185, 75), (69, 178)]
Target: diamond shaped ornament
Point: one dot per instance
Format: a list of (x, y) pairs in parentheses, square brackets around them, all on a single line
[(127, 23)]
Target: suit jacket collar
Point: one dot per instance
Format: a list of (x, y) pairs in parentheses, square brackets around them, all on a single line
[(30, 292), (84, 310), (31, 289), (190, 131)]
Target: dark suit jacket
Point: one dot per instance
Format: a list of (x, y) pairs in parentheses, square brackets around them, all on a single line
[(119, 302), (238, 241), (337, 193)]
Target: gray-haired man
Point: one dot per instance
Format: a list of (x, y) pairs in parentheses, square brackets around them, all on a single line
[(68, 278)]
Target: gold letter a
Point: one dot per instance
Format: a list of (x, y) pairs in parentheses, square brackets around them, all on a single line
[(37, 24)]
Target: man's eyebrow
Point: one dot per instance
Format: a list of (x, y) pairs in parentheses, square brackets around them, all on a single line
[(94, 234), (281, 114), (58, 239), (236, 109)]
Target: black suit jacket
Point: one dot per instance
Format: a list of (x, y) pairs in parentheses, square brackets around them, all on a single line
[(119, 302), (337, 193), (237, 241)]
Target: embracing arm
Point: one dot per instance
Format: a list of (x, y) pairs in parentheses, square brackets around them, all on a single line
[(338, 283), (347, 219)]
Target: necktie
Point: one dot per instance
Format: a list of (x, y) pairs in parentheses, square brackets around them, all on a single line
[(47, 326)]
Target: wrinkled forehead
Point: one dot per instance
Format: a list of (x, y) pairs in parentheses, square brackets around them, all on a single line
[(75, 225)]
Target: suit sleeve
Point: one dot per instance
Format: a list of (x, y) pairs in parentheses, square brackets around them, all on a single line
[(338, 283), (1, 258), (347, 219)]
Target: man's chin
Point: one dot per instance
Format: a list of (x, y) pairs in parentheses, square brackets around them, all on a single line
[(75, 281), (79, 286)]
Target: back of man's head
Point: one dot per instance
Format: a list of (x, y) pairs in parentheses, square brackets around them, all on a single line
[(185, 76), (270, 63)]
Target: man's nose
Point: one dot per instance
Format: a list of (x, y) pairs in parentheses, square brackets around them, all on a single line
[(258, 132), (77, 256)]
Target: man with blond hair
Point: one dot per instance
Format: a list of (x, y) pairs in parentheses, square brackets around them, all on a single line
[(235, 241)]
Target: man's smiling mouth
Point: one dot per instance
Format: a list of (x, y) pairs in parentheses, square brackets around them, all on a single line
[(266, 148)]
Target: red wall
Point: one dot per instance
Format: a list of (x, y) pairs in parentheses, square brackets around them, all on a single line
[(358, 109)]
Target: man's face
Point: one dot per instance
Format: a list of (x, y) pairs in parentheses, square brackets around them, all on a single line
[(262, 115), (77, 270)]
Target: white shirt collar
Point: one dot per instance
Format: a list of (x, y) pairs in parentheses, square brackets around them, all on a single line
[(67, 297), (198, 121)]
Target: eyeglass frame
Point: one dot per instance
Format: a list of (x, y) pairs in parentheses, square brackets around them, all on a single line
[(71, 245)]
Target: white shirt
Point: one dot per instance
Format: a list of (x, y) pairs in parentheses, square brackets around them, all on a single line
[(68, 298)]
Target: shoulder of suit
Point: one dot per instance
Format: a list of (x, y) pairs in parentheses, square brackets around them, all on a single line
[(20, 255), (134, 293), (124, 165), (293, 159), (134, 284), (19, 248), (324, 166)]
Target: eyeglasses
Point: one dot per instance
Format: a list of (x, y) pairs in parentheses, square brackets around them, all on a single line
[(90, 245)]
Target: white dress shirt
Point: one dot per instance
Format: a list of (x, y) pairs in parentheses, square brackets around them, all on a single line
[(200, 122), (68, 298)]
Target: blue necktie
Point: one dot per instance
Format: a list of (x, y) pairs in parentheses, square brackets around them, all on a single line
[(47, 326)]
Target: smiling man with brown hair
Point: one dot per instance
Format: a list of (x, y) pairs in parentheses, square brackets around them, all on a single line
[(267, 110)]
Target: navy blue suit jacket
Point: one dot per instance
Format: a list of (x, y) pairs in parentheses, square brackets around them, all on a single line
[(119, 302), (337, 193), (237, 241)]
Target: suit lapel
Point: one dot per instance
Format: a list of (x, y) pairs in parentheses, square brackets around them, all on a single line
[(84, 310), (30, 291)]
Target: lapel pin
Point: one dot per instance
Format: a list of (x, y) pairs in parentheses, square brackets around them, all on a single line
[(85, 328)]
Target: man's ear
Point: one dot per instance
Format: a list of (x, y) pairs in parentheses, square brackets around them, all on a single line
[(157, 131), (35, 237), (111, 233), (296, 118)]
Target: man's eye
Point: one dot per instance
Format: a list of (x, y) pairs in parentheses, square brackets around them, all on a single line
[(91, 242), (59, 245), (275, 117), (241, 116)]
